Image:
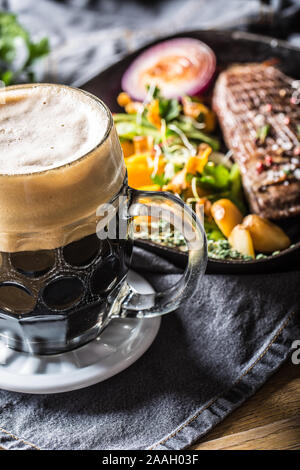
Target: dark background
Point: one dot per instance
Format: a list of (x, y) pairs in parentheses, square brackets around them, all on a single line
[(277, 17), (86, 36)]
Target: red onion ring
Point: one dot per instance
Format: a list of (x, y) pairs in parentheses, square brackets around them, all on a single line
[(179, 67)]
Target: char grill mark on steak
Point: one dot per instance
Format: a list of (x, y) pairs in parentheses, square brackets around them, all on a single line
[(246, 99)]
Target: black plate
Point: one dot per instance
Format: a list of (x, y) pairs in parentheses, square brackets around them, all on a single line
[(229, 47)]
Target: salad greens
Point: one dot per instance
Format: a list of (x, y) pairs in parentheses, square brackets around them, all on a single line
[(186, 153), (170, 112), (168, 145), (18, 52)]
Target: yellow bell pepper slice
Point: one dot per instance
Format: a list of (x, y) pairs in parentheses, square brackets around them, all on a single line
[(210, 121), (150, 187), (128, 148), (197, 163), (193, 109), (153, 113), (140, 168), (143, 144)]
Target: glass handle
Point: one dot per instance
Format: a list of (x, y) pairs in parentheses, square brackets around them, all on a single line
[(184, 219)]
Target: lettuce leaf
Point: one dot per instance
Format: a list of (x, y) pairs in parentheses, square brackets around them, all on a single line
[(12, 37)]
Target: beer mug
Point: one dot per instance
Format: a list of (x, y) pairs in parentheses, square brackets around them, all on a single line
[(66, 224)]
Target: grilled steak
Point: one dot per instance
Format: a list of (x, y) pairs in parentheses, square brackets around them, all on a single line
[(258, 110)]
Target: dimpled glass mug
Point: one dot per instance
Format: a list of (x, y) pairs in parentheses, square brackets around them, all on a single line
[(66, 223)]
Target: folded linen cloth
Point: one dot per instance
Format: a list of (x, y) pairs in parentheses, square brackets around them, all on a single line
[(209, 356)]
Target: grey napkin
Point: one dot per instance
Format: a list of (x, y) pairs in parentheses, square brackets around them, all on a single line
[(209, 356)]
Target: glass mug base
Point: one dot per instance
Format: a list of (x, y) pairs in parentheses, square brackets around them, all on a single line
[(50, 347), (65, 307), (21, 339)]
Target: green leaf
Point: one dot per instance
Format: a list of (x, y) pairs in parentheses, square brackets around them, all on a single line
[(6, 77), (169, 109), (192, 133), (123, 117), (206, 180), (155, 93), (235, 175), (198, 135), (128, 130), (215, 235), (217, 176), (159, 179), (212, 230), (263, 132), (38, 50), (10, 32), (185, 124), (236, 189), (221, 176), (189, 177)]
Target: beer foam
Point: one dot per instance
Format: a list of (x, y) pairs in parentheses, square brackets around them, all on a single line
[(49, 197), (45, 127)]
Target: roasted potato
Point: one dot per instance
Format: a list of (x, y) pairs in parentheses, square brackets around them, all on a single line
[(226, 215), (267, 237), (240, 239)]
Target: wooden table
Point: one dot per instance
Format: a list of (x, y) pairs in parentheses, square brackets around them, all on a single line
[(269, 420)]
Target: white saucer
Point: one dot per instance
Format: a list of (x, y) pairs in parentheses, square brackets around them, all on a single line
[(120, 345)]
